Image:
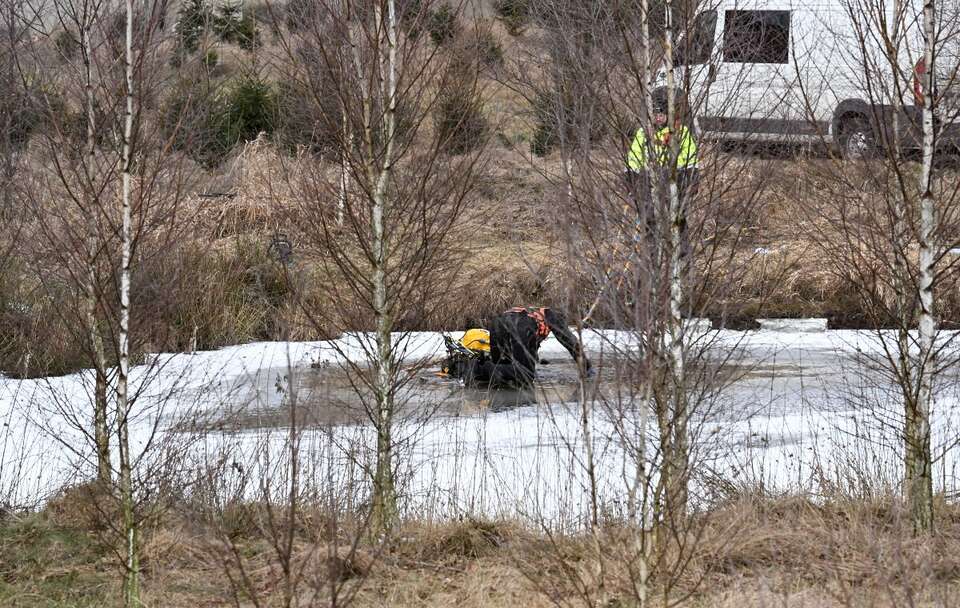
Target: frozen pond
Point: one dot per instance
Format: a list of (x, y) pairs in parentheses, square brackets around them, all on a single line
[(769, 374), (790, 411)]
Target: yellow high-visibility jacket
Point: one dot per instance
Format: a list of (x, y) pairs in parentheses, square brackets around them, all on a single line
[(686, 159)]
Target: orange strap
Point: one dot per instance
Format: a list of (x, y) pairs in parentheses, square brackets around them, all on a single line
[(538, 315)]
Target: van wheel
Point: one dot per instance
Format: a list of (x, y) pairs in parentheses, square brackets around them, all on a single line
[(857, 139)]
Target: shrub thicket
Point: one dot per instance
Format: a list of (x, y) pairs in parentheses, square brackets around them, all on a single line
[(306, 120), (229, 23), (248, 109), (217, 296), (207, 123), (309, 111), (515, 15), (66, 44), (210, 59), (298, 13), (28, 110), (34, 339), (458, 117), (546, 132), (244, 291), (190, 117), (192, 20), (268, 14), (487, 48), (443, 25), (232, 25), (412, 17), (558, 116)]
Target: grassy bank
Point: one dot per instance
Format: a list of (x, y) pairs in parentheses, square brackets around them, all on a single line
[(219, 282), (749, 552)]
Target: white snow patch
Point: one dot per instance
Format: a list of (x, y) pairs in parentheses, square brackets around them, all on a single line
[(791, 423), (790, 325)]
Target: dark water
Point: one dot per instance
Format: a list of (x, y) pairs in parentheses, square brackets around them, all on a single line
[(334, 396), (756, 383)]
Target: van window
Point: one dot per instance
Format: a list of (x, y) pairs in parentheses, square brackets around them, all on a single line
[(756, 36), (697, 45)]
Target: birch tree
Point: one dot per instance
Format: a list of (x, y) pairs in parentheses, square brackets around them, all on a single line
[(127, 498), (82, 20), (919, 459), (630, 241), (107, 197), (678, 459), (382, 229), (891, 210)]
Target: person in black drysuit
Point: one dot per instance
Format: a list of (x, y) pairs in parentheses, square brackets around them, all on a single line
[(515, 338)]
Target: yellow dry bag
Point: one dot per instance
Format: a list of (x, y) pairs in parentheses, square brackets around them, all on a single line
[(477, 340)]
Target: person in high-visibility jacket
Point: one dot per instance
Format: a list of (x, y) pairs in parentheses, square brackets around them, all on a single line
[(640, 168)]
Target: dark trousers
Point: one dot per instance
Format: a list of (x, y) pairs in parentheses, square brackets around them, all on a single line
[(649, 211), (513, 353)]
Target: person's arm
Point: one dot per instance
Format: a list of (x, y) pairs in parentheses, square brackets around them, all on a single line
[(558, 325), (637, 155)]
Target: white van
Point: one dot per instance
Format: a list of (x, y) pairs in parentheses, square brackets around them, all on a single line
[(807, 71)]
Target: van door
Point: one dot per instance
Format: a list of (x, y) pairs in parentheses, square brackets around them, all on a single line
[(822, 51)]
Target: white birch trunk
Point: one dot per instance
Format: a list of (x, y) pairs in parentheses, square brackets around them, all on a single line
[(645, 540), (385, 507), (344, 173), (132, 571), (677, 458), (586, 429), (101, 436), (919, 474)]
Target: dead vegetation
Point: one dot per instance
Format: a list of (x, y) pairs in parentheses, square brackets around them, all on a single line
[(512, 249), (754, 552)]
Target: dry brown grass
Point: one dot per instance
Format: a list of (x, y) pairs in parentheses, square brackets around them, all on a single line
[(752, 553), (841, 553), (260, 182), (221, 283), (513, 245)]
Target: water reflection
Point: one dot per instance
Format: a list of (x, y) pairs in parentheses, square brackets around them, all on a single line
[(503, 399), (498, 400)]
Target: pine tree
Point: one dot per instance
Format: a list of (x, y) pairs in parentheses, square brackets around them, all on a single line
[(192, 21)]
